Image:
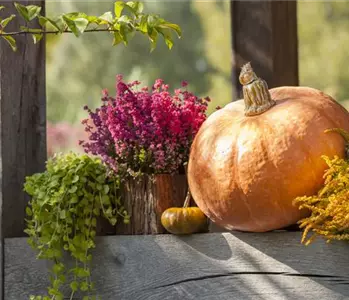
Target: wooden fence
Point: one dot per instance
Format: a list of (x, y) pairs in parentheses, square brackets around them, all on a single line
[(203, 266)]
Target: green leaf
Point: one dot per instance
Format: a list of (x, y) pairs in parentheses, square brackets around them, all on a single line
[(71, 25), (118, 8), (105, 200), (62, 214), (11, 41), (44, 21), (109, 211), (57, 268), (106, 18), (126, 32), (175, 27), (28, 12), (143, 26), (22, 10), (28, 211), (152, 20), (74, 285), (73, 189), (4, 22), (33, 11), (75, 178), (76, 15), (92, 19), (136, 6), (81, 24), (74, 199), (2, 7), (106, 189), (37, 37), (117, 38), (166, 33), (153, 39)]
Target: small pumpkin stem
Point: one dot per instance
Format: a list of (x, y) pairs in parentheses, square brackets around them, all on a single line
[(256, 94), (188, 197), (344, 134)]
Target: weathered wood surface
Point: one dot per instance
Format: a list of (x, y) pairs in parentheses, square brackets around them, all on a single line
[(22, 125), (272, 266), (22, 121), (265, 33), (146, 199)]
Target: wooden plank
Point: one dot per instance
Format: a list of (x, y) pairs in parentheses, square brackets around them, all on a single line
[(203, 266), (265, 33), (22, 126), (23, 121)]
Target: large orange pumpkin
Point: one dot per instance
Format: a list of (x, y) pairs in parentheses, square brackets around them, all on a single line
[(251, 158)]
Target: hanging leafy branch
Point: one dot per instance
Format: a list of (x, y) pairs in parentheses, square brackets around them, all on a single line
[(127, 19)]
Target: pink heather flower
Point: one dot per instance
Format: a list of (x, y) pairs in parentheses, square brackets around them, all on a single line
[(105, 93), (147, 130)]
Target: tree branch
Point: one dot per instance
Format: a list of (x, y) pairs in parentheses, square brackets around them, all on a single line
[(52, 31)]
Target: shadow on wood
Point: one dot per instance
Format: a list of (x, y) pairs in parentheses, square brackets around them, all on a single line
[(203, 266)]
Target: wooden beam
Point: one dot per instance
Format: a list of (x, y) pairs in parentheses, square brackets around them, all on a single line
[(22, 124), (212, 266), (22, 121), (265, 33)]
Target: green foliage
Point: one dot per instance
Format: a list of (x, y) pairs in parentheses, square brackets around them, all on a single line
[(71, 58), (121, 26), (66, 202)]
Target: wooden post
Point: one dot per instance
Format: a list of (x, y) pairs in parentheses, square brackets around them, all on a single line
[(22, 125), (265, 33)]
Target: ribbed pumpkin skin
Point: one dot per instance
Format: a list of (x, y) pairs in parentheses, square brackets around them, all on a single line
[(244, 172), (183, 220)]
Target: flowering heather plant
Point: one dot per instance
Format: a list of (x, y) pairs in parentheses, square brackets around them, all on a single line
[(144, 130)]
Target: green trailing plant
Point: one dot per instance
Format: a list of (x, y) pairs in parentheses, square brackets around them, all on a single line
[(329, 208), (67, 199), (126, 19)]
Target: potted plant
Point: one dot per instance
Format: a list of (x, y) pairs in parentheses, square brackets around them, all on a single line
[(67, 201), (144, 135)]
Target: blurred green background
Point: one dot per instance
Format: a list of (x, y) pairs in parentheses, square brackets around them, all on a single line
[(78, 69)]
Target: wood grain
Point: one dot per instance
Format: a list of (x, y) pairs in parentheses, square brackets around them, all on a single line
[(268, 266), (22, 121), (265, 33), (22, 125), (146, 199)]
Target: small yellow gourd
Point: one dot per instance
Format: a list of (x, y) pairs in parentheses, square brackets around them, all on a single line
[(184, 220)]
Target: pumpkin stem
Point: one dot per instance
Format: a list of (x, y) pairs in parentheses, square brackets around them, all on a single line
[(344, 134), (188, 197), (256, 94)]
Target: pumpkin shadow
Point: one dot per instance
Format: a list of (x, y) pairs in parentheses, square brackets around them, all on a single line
[(203, 246), (323, 263), (216, 266), (165, 267)]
